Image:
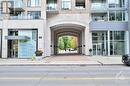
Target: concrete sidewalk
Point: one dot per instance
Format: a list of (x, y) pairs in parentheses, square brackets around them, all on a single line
[(64, 61)]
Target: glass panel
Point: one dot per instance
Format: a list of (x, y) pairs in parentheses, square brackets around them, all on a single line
[(99, 16), (94, 50), (112, 16), (80, 4), (34, 14), (118, 15), (51, 4), (66, 4), (27, 48), (116, 3), (33, 3), (117, 39), (99, 40)]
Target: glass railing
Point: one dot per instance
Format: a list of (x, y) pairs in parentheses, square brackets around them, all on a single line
[(51, 7), (99, 18), (24, 17), (98, 6), (16, 3)]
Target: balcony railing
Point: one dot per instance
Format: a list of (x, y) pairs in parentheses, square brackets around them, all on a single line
[(16, 4), (24, 17), (52, 7), (98, 6), (100, 18)]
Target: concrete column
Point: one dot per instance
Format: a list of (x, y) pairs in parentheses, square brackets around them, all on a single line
[(4, 41), (88, 40), (83, 42), (47, 41), (41, 36), (108, 34), (126, 42)]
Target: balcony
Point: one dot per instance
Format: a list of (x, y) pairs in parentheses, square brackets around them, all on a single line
[(98, 7), (108, 25), (15, 6), (99, 17)]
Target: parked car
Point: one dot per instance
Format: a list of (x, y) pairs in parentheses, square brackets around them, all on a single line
[(126, 59)]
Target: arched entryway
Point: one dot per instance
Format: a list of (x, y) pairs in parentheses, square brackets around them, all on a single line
[(67, 31)]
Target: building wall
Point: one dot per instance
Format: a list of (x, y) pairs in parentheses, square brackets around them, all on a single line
[(49, 19)]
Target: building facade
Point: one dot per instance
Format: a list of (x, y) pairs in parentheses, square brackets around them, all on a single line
[(101, 26)]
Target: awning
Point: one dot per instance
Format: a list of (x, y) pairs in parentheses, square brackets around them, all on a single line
[(17, 37)]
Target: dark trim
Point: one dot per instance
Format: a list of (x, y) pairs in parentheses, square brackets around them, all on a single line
[(1, 43)]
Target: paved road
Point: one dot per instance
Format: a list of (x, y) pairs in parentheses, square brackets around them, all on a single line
[(64, 76)]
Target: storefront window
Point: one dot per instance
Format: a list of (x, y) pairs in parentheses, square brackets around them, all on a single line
[(66, 4), (99, 40), (22, 43), (100, 43), (117, 41), (27, 48)]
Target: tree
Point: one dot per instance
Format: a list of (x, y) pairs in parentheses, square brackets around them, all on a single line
[(74, 43), (61, 43)]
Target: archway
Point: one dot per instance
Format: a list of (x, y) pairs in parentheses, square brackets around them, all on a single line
[(69, 31)]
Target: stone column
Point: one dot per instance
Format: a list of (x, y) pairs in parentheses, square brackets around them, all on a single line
[(4, 41)]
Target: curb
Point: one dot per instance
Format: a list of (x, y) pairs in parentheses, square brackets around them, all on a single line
[(61, 65)]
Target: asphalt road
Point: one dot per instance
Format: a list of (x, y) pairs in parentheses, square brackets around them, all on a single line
[(64, 76)]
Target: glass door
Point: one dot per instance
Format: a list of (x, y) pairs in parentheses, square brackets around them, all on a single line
[(97, 49), (13, 45)]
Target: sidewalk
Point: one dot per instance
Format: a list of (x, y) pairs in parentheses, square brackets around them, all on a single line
[(76, 60)]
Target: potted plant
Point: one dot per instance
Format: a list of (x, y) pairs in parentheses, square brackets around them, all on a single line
[(38, 54), (90, 51)]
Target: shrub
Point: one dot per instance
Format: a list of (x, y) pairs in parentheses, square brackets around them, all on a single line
[(39, 53)]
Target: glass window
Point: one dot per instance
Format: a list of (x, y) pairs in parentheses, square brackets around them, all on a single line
[(80, 4), (99, 16), (34, 14), (66, 4), (112, 16), (99, 40), (33, 3), (119, 15), (116, 3), (51, 4), (0, 8), (117, 42)]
